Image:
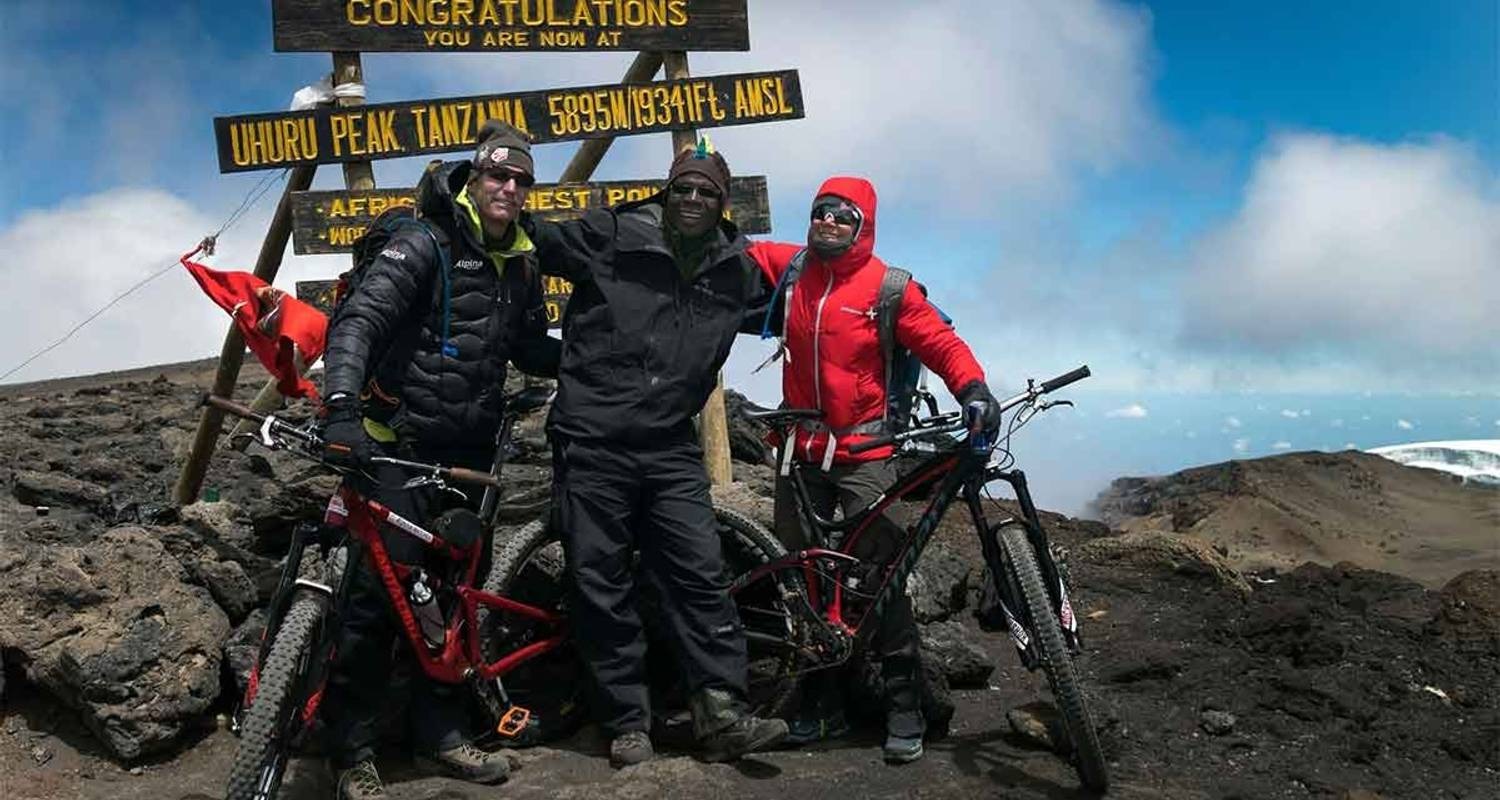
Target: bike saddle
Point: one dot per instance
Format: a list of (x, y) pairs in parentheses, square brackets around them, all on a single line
[(460, 527), (781, 416), (529, 399)]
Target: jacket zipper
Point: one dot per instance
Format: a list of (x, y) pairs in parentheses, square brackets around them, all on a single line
[(817, 362)]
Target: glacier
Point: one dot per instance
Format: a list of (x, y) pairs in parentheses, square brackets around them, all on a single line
[(1474, 460)]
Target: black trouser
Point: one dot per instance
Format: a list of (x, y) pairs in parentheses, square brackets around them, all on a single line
[(359, 682), (613, 501), (851, 487)]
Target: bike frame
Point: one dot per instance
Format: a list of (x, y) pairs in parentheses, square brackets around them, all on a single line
[(459, 658), (960, 471)]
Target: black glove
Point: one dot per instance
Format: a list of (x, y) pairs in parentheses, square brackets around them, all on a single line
[(345, 443), (989, 415)]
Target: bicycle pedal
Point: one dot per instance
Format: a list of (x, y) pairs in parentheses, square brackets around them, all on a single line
[(513, 722)]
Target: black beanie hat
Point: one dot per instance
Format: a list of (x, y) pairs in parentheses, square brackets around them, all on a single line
[(702, 160), (502, 145)]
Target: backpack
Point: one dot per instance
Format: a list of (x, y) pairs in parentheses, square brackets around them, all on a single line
[(903, 370), (369, 246)]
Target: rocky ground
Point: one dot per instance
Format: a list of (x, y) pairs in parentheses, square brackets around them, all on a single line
[(123, 622)]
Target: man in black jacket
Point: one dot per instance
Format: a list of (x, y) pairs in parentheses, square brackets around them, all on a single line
[(415, 367), (661, 287)]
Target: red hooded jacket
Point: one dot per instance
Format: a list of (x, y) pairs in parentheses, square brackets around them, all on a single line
[(833, 360)]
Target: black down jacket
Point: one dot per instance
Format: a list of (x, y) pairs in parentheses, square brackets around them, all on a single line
[(642, 344), (385, 340)]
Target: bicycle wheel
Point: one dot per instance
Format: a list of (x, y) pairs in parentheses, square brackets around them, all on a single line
[(1088, 759), (528, 568), (525, 506), (762, 609), (265, 736)]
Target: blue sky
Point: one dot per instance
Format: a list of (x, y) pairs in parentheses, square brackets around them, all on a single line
[(1204, 201)]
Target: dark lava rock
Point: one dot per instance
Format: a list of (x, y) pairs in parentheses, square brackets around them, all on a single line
[(57, 489), (958, 653), (940, 585), (115, 631)]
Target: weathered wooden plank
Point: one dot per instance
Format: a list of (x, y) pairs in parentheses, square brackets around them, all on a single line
[(329, 222), (417, 127), (320, 295), (509, 25)]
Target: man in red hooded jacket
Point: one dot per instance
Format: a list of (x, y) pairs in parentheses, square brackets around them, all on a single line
[(833, 362)]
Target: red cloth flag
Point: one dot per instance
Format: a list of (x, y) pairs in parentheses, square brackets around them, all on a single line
[(283, 332)]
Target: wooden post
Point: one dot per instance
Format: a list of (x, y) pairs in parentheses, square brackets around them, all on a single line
[(232, 355), (358, 176), (713, 421), (581, 168)]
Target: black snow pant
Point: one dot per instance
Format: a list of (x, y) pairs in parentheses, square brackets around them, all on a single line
[(359, 682), (896, 644), (613, 501)]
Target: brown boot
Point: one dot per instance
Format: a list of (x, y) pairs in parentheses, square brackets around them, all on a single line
[(360, 782), (726, 731), (468, 763)]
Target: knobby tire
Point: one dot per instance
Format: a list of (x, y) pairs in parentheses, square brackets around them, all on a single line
[(1088, 758), (261, 758)]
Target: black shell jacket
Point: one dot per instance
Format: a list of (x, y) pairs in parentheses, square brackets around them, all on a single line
[(385, 340), (642, 344)]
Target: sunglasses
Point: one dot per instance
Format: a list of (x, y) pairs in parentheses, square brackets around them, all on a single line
[(502, 175), (837, 213), (684, 190)]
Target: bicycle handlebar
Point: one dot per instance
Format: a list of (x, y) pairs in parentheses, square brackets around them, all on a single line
[(1030, 394), (312, 442)]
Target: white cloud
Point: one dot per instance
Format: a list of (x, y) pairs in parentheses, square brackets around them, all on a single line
[(1241, 445), (1289, 413), (1386, 256), (1132, 411), (1336, 423), (1233, 422), (66, 262), (1282, 445), (1404, 425)]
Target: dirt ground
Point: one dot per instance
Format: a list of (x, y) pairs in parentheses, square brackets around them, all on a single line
[(1322, 682)]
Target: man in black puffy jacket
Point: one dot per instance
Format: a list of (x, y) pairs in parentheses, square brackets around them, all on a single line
[(415, 367), (661, 287)]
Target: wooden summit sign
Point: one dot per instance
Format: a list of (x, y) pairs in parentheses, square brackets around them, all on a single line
[(329, 222), (509, 25), (417, 127)]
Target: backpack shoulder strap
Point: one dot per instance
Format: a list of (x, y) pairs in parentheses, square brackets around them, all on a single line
[(783, 287), (887, 310)]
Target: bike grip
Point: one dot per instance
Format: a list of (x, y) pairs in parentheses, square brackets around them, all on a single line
[(473, 476), (227, 405), (871, 444), (1063, 380)]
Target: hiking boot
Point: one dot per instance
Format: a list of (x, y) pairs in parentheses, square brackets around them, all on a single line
[(903, 736), (360, 782), (468, 763), (630, 748), (725, 731), (809, 728)]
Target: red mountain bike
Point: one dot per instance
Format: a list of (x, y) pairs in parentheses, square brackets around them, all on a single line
[(458, 634)]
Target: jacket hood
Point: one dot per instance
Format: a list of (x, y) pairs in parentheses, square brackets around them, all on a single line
[(437, 194), (861, 193)]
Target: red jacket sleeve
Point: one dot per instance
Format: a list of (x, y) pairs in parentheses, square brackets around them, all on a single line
[(772, 257), (922, 331)]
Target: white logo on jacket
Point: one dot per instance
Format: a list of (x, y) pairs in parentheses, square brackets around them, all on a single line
[(393, 253), (469, 264)]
